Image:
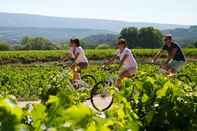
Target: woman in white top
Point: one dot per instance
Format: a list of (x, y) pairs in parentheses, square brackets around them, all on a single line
[(128, 64), (79, 58)]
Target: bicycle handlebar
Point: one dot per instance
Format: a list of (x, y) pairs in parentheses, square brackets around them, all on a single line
[(108, 68)]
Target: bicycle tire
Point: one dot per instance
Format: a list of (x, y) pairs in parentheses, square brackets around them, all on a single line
[(84, 77), (180, 77), (94, 92)]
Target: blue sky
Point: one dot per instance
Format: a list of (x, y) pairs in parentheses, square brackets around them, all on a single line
[(159, 11)]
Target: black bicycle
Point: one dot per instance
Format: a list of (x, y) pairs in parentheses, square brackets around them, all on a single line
[(179, 76)]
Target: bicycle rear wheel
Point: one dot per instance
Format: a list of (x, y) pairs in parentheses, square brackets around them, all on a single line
[(101, 97), (184, 78)]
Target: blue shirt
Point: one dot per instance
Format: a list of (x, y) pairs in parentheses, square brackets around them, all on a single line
[(179, 54)]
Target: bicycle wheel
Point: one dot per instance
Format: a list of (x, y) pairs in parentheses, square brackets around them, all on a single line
[(186, 80), (89, 79), (101, 98)]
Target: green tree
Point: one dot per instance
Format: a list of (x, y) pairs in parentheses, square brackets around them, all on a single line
[(37, 43), (4, 46), (144, 38), (131, 35), (85, 44), (150, 38), (195, 44), (26, 40)]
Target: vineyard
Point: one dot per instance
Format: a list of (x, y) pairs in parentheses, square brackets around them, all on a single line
[(27, 57), (167, 103)]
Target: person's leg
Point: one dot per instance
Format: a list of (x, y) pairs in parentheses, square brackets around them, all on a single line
[(171, 70), (125, 74), (175, 66), (76, 73), (76, 76), (119, 80), (165, 67), (77, 70)]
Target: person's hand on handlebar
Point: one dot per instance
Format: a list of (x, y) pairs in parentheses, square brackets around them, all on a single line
[(154, 61), (107, 62)]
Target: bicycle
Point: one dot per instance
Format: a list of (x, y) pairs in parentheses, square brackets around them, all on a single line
[(69, 67), (180, 76), (65, 71), (102, 93), (102, 98)]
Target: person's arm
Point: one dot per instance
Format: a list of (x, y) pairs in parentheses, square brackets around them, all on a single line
[(76, 56), (157, 55), (111, 60), (122, 61), (171, 55), (65, 57)]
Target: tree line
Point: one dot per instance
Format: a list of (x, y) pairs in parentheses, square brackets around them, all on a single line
[(31, 43), (148, 37)]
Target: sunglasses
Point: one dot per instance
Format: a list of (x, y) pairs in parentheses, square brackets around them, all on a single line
[(166, 39)]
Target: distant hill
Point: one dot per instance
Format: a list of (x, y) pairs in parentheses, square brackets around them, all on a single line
[(38, 21), (14, 34), (13, 27), (182, 34)]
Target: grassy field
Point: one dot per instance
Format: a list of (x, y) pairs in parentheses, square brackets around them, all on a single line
[(46, 56)]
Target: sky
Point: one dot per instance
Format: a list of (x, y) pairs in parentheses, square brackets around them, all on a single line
[(158, 11)]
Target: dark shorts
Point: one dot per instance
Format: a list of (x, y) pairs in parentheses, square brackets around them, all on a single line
[(177, 65)]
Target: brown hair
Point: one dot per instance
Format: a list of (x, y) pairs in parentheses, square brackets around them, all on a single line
[(122, 42), (76, 41)]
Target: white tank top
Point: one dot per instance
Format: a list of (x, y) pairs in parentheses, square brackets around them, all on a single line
[(130, 60), (81, 58)]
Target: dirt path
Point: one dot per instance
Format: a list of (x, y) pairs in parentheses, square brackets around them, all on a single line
[(23, 104)]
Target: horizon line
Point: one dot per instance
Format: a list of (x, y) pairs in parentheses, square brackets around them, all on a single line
[(117, 20)]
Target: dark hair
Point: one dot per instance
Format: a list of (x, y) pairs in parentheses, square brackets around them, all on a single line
[(76, 41), (122, 41)]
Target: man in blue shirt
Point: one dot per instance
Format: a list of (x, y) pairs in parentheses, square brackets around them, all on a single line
[(175, 59)]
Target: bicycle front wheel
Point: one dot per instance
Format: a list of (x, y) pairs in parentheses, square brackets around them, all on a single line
[(101, 98), (89, 79)]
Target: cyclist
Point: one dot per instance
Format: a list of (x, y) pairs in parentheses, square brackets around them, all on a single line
[(176, 58), (80, 59), (128, 64)]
